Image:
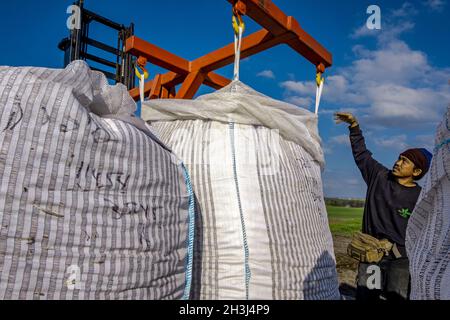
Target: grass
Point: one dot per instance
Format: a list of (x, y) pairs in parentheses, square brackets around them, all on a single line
[(344, 221)]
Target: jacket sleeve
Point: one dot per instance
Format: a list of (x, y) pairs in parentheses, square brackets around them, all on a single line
[(368, 166)]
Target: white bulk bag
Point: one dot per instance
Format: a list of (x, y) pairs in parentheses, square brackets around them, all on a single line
[(90, 207), (255, 165), (428, 232)]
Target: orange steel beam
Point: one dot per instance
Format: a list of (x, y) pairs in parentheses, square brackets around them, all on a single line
[(190, 85), (155, 92), (171, 79), (156, 55), (216, 81), (271, 18), (164, 93), (308, 46), (279, 29), (252, 44), (179, 67)]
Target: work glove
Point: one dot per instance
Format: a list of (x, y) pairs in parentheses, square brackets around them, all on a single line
[(346, 117)]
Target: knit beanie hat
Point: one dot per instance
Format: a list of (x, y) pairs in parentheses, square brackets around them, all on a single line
[(421, 157)]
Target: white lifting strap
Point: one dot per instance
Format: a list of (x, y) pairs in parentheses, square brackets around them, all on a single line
[(237, 51), (141, 87), (319, 94)]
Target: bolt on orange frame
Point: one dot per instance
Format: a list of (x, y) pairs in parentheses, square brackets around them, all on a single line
[(278, 28)]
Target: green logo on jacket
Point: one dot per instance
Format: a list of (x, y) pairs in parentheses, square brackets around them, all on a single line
[(405, 213)]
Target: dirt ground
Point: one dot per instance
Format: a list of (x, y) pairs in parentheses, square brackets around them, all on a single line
[(346, 267)]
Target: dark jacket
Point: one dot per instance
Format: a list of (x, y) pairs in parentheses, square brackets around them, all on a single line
[(388, 203)]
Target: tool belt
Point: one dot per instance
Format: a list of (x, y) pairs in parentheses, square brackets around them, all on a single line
[(368, 249)]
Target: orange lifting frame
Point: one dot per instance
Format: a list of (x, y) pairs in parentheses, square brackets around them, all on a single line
[(277, 29)]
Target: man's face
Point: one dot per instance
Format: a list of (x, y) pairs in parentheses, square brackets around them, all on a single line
[(405, 168)]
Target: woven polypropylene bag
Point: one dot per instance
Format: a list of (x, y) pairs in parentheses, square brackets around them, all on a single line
[(255, 165), (90, 207), (428, 232)]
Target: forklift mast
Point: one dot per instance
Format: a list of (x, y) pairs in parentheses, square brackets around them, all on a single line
[(76, 46)]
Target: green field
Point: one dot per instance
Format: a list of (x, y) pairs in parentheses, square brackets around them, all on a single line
[(344, 221)]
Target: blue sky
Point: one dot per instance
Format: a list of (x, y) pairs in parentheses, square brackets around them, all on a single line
[(395, 80)]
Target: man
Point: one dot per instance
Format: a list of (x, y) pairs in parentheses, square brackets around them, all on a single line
[(390, 200)]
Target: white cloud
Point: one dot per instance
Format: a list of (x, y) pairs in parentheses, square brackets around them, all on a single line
[(393, 85), (299, 93), (392, 63), (406, 10), (299, 87), (393, 24), (304, 102), (336, 90), (266, 74), (360, 51), (392, 105), (435, 5), (395, 142), (363, 31)]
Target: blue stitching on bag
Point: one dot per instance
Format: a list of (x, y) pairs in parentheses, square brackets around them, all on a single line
[(246, 251), (190, 238)]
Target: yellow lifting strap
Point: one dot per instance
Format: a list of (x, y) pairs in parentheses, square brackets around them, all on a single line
[(139, 68), (237, 22), (319, 82), (238, 27), (142, 75)]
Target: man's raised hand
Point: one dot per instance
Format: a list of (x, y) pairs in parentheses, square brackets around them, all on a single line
[(345, 117)]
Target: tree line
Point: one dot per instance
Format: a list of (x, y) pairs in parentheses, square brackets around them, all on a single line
[(352, 203)]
